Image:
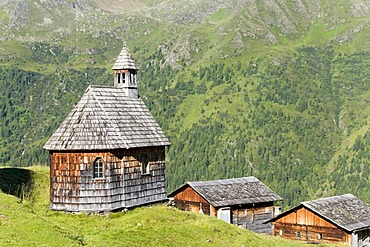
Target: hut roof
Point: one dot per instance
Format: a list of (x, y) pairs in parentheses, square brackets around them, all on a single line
[(229, 192), (124, 60), (345, 211), (105, 118)]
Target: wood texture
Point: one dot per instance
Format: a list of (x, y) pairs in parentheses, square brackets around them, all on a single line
[(250, 216), (112, 125), (73, 187), (305, 225), (337, 219), (253, 217), (105, 119), (234, 191)]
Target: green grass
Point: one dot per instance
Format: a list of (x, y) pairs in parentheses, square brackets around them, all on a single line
[(31, 223)]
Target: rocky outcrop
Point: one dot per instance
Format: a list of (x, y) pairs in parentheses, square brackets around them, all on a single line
[(20, 15)]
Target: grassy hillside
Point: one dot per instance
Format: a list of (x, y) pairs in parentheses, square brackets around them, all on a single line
[(274, 89), (29, 222)]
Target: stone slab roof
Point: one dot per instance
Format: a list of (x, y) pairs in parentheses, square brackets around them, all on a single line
[(229, 192), (345, 211), (105, 118)]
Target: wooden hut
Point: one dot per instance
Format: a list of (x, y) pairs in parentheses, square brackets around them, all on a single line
[(109, 152), (338, 219), (245, 202)]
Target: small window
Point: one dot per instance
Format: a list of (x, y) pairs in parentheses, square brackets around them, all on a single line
[(298, 234), (98, 168), (319, 236), (281, 232), (144, 165), (119, 78)]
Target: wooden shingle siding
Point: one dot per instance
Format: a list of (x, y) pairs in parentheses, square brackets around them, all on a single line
[(73, 187), (141, 188)]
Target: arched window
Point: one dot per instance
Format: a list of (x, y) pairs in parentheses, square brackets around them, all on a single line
[(98, 168)]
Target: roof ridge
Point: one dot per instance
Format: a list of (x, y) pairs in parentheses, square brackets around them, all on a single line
[(323, 199), (110, 121), (242, 179)]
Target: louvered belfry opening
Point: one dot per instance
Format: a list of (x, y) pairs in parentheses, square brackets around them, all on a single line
[(125, 71)]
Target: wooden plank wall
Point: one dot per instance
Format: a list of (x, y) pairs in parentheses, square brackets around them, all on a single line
[(307, 226), (193, 206), (303, 216), (310, 233), (364, 237), (252, 217), (73, 187), (244, 216), (190, 200)]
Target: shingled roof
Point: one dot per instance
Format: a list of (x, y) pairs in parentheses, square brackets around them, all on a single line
[(345, 211), (235, 191), (105, 118), (124, 60)]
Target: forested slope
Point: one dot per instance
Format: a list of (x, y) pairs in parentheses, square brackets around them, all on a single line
[(274, 89)]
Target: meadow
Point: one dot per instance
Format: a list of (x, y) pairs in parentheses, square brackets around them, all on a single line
[(26, 220)]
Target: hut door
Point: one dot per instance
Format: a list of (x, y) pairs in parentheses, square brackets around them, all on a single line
[(354, 240), (224, 214)]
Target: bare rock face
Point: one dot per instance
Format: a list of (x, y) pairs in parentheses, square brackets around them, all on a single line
[(4, 2), (20, 15), (360, 8)]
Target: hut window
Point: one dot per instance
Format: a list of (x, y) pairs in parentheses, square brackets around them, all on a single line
[(281, 232), (298, 234), (144, 165), (98, 168), (319, 236), (119, 77)]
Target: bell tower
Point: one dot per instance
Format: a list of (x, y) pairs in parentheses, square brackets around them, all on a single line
[(125, 73)]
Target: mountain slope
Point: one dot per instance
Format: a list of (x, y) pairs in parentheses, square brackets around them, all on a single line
[(274, 89)]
